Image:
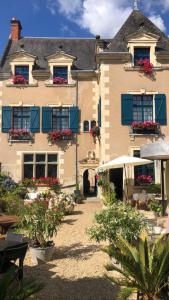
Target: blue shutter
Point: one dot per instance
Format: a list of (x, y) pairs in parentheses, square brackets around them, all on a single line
[(74, 119), (46, 119), (160, 109), (35, 119), (99, 112), (126, 109), (6, 118)]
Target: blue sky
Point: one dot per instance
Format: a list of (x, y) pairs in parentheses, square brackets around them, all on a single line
[(76, 18)]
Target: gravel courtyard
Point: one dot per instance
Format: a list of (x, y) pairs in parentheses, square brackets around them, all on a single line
[(77, 269)]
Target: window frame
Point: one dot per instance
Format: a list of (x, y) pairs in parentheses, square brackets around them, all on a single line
[(140, 57), (143, 167), (143, 106), (90, 125), (60, 67), (45, 162), (22, 66), (21, 117), (61, 117)]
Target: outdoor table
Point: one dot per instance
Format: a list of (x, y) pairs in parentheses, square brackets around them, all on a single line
[(6, 221)]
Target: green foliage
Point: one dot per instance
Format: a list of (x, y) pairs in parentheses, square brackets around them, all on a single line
[(28, 183), (143, 267), (109, 197), (40, 223), (154, 188), (10, 289), (117, 219), (156, 207)]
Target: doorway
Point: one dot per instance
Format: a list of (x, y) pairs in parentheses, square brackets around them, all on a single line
[(116, 176), (89, 183)]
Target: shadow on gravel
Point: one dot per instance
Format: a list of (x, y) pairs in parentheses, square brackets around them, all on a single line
[(77, 251), (57, 288)]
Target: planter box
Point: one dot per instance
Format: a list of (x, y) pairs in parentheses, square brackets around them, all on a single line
[(41, 255)]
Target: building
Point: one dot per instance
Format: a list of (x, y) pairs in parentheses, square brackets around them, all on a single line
[(76, 84)]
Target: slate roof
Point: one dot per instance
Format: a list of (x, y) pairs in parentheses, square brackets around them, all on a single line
[(83, 49), (137, 22)]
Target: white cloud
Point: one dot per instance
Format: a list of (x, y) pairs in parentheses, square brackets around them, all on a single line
[(158, 21), (105, 17)]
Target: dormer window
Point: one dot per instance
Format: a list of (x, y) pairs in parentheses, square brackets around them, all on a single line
[(60, 75), (141, 53), (21, 75)]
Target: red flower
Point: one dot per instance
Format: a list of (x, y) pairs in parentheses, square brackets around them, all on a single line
[(19, 79), (146, 66), (59, 80)]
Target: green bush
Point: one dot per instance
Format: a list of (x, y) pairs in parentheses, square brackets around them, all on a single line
[(156, 207), (154, 188), (117, 219), (109, 197), (39, 222)]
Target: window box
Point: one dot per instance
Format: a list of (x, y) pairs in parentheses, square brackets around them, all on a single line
[(58, 135), (147, 127), (146, 67), (59, 80), (19, 79), (144, 180), (20, 135)]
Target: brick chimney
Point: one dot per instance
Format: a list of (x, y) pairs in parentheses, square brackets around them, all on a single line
[(15, 29)]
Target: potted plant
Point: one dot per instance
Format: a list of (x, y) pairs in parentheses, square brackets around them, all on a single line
[(59, 80), (146, 66), (146, 127), (144, 180), (19, 134), (39, 225), (95, 133), (59, 135)]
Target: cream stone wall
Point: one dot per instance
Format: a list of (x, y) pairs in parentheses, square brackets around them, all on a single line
[(11, 153), (115, 80)]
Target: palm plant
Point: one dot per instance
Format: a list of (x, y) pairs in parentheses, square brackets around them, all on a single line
[(144, 267)]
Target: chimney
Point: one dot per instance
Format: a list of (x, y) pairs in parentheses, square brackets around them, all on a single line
[(15, 29)]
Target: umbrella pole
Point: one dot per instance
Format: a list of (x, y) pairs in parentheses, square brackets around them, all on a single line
[(126, 194), (162, 186)]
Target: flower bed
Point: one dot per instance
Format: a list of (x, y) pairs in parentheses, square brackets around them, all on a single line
[(58, 135), (59, 80), (148, 127), (19, 134), (19, 79), (95, 133), (145, 66), (144, 180)]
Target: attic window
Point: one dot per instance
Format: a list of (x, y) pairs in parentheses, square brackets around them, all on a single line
[(141, 53), (60, 75)]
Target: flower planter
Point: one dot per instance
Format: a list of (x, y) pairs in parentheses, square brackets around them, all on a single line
[(41, 254)]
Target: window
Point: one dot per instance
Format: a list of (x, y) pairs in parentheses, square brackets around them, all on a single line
[(86, 126), (147, 170), (141, 53), (21, 118), (60, 118), (142, 108), (60, 72), (40, 165), (22, 70)]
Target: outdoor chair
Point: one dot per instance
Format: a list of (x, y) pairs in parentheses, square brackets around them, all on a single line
[(9, 257), (14, 237)]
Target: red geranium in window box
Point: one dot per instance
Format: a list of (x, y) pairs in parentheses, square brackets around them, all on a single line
[(19, 133), (148, 127), (144, 179), (146, 66), (19, 79), (56, 135), (59, 80)]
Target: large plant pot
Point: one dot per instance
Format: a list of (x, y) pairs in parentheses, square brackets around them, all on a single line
[(41, 254)]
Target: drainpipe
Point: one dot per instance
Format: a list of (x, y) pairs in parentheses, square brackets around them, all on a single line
[(162, 186), (77, 102)]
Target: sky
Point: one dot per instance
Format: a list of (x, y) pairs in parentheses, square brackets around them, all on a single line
[(76, 18)]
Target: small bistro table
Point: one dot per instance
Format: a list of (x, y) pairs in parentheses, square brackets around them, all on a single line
[(6, 221)]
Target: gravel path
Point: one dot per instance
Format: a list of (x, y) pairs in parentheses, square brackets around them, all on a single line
[(76, 272)]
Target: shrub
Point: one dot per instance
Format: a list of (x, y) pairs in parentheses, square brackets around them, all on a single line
[(40, 223), (64, 202), (154, 188), (117, 219)]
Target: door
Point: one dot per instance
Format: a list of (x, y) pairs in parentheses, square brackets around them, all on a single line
[(116, 176)]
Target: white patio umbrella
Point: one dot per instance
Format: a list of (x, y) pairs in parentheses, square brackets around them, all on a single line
[(123, 162)]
